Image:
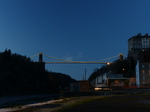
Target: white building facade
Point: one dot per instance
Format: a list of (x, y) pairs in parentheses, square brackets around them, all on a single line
[(108, 80), (142, 74)]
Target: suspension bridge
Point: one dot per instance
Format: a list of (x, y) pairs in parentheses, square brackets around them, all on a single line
[(63, 61)]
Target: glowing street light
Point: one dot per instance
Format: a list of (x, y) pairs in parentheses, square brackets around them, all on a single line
[(108, 63)]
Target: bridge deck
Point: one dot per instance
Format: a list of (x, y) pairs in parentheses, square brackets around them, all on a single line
[(77, 62)]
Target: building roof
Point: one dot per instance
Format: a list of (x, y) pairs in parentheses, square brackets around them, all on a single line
[(139, 36)]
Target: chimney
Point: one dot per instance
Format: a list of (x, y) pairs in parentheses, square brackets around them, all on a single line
[(146, 35), (139, 34)]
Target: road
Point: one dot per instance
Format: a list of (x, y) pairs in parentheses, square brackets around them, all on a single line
[(12, 101)]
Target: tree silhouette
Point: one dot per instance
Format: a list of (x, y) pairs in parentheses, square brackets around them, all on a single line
[(125, 67), (20, 75)]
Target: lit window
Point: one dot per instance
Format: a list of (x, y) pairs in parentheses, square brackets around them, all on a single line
[(143, 72), (149, 71), (143, 66)]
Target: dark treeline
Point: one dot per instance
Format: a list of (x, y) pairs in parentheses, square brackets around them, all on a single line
[(125, 67), (20, 75)]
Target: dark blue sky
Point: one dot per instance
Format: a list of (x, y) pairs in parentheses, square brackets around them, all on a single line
[(77, 30)]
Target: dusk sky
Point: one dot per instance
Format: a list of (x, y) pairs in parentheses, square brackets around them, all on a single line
[(76, 30)]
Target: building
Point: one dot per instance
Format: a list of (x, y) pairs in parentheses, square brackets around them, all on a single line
[(109, 76), (139, 51), (110, 80), (139, 47), (138, 66), (138, 42), (142, 74), (80, 86)]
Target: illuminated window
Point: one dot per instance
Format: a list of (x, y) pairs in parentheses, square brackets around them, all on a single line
[(143, 72), (149, 71), (143, 66)]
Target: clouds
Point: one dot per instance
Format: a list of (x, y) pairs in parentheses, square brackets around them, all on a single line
[(69, 58), (80, 56), (76, 57)]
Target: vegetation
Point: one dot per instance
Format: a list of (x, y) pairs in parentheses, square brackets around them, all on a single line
[(113, 103), (20, 75), (125, 67), (78, 102)]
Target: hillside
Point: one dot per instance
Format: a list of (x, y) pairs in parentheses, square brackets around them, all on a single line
[(20, 75), (125, 67)]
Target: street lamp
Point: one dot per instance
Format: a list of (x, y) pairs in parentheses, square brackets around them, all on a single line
[(108, 63)]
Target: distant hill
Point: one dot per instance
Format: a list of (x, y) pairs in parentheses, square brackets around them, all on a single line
[(60, 81)]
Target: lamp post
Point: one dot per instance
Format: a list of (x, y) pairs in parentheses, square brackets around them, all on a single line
[(85, 73)]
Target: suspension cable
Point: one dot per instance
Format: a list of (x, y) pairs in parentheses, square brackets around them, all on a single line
[(34, 55), (57, 58), (79, 61), (107, 58)]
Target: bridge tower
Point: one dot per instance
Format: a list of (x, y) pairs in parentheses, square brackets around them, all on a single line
[(40, 57), (121, 56)]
